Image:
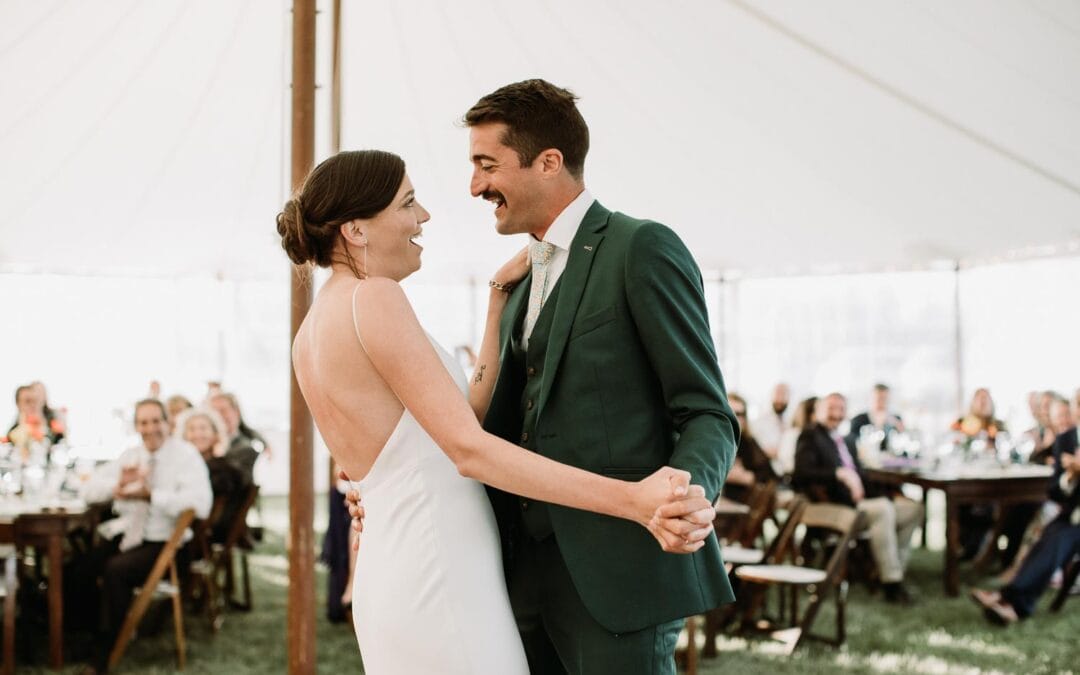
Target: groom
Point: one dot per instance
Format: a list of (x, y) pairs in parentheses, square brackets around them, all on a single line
[(607, 364)]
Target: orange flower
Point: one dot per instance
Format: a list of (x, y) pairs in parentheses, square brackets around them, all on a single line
[(971, 426), (37, 433), (56, 426), (4, 439), (33, 419)]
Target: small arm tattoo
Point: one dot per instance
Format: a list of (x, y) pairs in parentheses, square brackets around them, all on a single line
[(479, 374)]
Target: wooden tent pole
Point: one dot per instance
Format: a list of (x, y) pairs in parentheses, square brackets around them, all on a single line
[(301, 601), (335, 127)]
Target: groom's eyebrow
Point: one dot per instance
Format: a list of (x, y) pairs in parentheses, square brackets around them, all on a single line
[(478, 158)]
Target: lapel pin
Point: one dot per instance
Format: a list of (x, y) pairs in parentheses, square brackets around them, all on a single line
[(588, 248)]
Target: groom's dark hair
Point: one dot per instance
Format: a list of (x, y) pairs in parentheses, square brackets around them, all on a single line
[(538, 115)]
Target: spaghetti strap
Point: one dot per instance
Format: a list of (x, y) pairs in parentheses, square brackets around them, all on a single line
[(356, 327)]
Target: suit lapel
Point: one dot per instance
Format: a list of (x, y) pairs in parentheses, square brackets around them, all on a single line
[(572, 286)]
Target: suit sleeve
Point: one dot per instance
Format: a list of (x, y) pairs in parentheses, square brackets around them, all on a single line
[(667, 303)]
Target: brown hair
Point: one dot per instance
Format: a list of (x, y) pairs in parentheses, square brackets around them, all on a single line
[(732, 396), (347, 186), (538, 115), (804, 414), (180, 400), (20, 390), (153, 401)]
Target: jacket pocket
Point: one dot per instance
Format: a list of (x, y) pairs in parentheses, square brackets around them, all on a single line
[(591, 322)]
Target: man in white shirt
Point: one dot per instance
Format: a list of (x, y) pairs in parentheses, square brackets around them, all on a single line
[(770, 423), (150, 485)]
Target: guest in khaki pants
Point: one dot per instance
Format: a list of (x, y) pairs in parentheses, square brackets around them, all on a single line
[(827, 468)]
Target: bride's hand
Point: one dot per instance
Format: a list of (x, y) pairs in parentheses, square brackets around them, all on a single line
[(676, 513), (514, 270)]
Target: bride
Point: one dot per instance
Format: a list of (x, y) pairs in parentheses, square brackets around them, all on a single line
[(396, 409)]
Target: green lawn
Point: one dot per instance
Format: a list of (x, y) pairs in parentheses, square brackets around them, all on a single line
[(936, 636)]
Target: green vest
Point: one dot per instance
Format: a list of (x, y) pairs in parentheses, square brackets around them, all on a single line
[(530, 362)]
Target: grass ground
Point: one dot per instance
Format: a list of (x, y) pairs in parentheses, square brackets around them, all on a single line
[(938, 635)]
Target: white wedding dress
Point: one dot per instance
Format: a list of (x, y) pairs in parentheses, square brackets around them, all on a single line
[(429, 594)]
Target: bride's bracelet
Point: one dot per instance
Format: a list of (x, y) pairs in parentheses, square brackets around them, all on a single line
[(505, 288)]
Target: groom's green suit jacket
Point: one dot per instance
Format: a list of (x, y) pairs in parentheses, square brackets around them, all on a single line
[(630, 383)]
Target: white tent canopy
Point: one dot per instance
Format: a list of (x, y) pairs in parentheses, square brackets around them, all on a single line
[(149, 138)]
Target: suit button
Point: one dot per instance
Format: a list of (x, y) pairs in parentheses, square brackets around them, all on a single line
[(524, 505), (529, 404), (525, 437), (531, 371)]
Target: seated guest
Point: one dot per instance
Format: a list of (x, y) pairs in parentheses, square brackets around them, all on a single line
[(751, 464), (150, 485), (803, 418), (878, 417), (1024, 523), (34, 419), (1039, 402), (1059, 420), (245, 443), (176, 405), (769, 426), (55, 418), (827, 469), (1059, 543), (205, 430), (979, 423)]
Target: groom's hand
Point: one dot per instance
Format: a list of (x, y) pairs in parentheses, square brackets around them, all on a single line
[(682, 526), (356, 510)]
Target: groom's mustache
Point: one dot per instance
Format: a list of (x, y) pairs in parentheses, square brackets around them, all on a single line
[(492, 196)]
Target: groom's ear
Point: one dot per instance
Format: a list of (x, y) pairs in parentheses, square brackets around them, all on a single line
[(550, 162), (353, 232)]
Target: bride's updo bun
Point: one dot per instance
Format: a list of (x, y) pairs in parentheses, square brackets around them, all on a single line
[(349, 185)]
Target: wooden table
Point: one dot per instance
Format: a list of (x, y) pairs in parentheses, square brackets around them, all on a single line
[(47, 528), (1009, 485)]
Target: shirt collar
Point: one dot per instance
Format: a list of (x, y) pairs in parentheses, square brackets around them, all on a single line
[(562, 231)]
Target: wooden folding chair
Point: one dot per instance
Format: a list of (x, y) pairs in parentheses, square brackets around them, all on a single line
[(9, 586), (746, 530), (1068, 579), (735, 557), (818, 582), (202, 569), (155, 587), (236, 541)]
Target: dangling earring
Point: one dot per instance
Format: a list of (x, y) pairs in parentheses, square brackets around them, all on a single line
[(352, 263)]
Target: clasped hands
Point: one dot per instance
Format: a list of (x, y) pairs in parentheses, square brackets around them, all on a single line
[(676, 513)]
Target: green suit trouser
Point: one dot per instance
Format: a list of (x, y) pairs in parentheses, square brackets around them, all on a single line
[(560, 635)]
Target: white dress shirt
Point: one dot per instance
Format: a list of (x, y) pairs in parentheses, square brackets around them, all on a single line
[(178, 480), (561, 234), (768, 427)]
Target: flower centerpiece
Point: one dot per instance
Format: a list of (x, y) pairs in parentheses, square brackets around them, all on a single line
[(31, 432)]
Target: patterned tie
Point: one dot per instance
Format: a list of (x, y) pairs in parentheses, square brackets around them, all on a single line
[(540, 253)]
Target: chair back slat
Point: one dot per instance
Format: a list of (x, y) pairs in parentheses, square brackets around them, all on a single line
[(781, 546), (762, 503), (239, 524)]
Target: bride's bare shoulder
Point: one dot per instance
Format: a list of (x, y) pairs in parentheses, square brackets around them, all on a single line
[(381, 298)]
